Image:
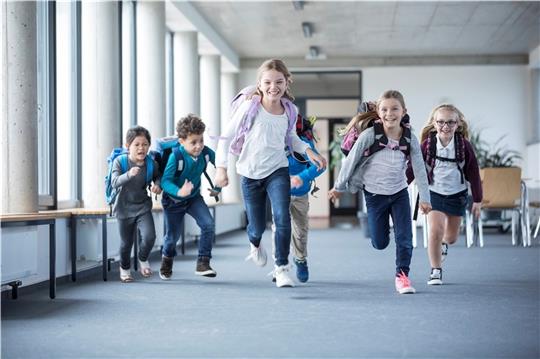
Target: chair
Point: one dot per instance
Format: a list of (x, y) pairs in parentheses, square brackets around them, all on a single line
[(503, 190)]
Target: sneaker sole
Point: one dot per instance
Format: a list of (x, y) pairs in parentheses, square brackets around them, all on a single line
[(286, 285), (407, 291), (208, 273), (434, 282), (164, 277)]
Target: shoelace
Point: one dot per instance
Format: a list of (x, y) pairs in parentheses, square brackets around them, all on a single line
[(402, 277), (253, 254), (274, 271)]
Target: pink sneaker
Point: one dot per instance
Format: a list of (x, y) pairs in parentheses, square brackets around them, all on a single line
[(403, 284)]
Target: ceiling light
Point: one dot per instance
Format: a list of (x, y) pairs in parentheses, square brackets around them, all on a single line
[(298, 5), (313, 51), (307, 28)]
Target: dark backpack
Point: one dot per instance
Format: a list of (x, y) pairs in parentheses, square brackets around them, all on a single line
[(431, 155), (381, 141), (110, 192)]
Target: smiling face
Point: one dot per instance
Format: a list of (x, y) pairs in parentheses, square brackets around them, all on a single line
[(193, 144), (138, 149), (445, 122), (391, 112), (272, 84)]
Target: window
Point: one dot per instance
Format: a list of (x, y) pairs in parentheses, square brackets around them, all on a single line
[(46, 97)]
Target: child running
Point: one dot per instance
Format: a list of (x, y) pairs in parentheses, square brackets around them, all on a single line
[(181, 186), (259, 132), (450, 163), (133, 206), (377, 164)]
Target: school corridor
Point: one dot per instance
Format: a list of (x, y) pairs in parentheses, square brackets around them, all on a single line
[(488, 307)]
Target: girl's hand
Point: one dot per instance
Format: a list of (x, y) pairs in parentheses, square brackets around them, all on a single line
[(318, 160), (296, 182), (425, 207), (333, 195), (133, 171), (186, 189), (221, 179), (156, 189), (476, 207)]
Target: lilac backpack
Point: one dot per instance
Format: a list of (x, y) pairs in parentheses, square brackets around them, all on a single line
[(247, 119)]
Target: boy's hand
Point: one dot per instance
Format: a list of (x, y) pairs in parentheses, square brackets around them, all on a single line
[(221, 179), (133, 171), (333, 195), (425, 207), (156, 189), (318, 160), (296, 182), (475, 210), (186, 189)]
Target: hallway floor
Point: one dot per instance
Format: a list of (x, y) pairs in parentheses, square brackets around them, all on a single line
[(489, 307)]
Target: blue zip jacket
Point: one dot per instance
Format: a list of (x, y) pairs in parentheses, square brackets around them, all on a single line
[(301, 166), (192, 171)]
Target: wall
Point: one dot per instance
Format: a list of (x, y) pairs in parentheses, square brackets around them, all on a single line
[(25, 250)]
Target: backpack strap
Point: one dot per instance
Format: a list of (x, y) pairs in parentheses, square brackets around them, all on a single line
[(149, 169), (381, 140), (124, 164), (212, 187), (179, 158)]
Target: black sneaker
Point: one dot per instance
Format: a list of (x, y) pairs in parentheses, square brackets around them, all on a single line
[(444, 251), (435, 278), (203, 267), (165, 272)]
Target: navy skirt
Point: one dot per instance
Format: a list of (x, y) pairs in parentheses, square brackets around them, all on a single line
[(453, 204)]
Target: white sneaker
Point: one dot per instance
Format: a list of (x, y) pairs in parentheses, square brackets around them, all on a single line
[(257, 255), (435, 278), (444, 251), (283, 279)]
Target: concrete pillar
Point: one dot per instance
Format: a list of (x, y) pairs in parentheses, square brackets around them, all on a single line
[(19, 108), (101, 122), (210, 67), (186, 74), (151, 67), (229, 88)]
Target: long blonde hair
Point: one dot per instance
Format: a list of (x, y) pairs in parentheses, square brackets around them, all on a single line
[(362, 120), (278, 65), (463, 127)]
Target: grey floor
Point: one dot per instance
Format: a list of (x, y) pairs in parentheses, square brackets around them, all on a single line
[(489, 307)]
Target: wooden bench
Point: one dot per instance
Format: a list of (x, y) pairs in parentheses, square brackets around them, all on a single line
[(36, 219)]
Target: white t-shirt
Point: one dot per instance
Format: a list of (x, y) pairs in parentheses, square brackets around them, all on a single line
[(264, 149), (446, 175)]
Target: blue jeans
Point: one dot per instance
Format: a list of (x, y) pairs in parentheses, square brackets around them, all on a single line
[(277, 187), (380, 208), (174, 214)]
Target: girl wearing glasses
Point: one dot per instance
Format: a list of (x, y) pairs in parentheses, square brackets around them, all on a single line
[(450, 163)]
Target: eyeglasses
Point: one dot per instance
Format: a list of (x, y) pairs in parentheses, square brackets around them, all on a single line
[(450, 123)]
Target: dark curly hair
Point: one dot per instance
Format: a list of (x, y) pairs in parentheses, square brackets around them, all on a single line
[(190, 124), (136, 132)]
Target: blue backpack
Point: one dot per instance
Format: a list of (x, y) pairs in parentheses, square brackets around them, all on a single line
[(110, 192), (169, 145)]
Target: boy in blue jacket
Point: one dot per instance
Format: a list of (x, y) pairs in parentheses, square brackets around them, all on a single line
[(181, 183), (303, 173)]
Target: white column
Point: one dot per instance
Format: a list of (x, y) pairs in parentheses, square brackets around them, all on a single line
[(211, 97), (19, 108), (229, 88), (101, 122), (186, 74), (210, 105), (151, 67)]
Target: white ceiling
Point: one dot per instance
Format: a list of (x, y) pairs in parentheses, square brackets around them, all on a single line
[(362, 33)]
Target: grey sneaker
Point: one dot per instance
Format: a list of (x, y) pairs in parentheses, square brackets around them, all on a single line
[(203, 267), (165, 272), (435, 278), (444, 251)]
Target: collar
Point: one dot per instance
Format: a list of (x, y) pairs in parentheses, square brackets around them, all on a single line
[(450, 145)]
